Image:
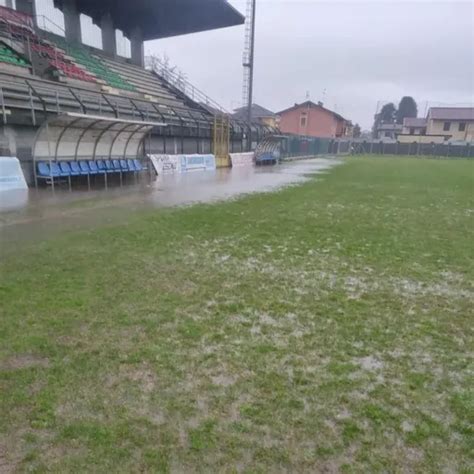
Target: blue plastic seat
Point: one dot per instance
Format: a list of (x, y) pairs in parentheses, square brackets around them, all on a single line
[(66, 168), (102, 167), (94, 168), (56, 170), (131, 165), (138, 165), (109, 166), (116, 164), (123, 165), (43, 170), (75, 168), (84, 167)]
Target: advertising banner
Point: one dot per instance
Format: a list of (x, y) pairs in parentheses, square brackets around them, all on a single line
[(164, 164), (242, 159)]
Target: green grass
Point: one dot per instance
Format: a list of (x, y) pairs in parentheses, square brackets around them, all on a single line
[(327, 327)]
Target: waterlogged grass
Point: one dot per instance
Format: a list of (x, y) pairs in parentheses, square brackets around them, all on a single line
[(324, 328)]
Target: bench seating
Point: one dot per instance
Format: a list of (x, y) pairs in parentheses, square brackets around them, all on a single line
[(67, 169)]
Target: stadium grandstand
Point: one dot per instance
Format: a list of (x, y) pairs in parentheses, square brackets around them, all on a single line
[(63, 102)]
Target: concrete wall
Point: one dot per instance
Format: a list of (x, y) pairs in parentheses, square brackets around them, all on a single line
[(420, 138), (17, 141), (26, 6), (436, 127), (416, 130), (319, 122), (72, 21)]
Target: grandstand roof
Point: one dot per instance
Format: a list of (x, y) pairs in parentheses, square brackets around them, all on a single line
[(162, 18)]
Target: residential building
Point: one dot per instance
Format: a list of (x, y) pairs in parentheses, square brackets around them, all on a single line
[(388, 131), (259, 114), (455, 123), (441, 124), (314, 120), (414, 126)]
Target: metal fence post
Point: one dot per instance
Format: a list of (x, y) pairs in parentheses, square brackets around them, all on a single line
[(4, 112), (33, 114)]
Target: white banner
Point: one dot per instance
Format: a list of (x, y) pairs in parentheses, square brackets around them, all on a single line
[(242, 159), (164, 164), (198, 162)]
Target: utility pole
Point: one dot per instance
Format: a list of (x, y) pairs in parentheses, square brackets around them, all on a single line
[(248, 60)]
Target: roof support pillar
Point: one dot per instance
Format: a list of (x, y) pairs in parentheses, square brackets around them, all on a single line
[(109, 44), (72, 21), (24, 6), (137, 47)]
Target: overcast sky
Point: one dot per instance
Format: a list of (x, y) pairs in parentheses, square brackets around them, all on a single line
[(350, 54)]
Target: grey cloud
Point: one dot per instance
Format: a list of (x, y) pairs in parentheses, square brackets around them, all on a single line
[(359, 52)]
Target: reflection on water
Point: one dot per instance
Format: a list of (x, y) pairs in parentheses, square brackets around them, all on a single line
[(35, 214), (11, 200)]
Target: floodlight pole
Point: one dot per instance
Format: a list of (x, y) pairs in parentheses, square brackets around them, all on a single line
[(251, 63)]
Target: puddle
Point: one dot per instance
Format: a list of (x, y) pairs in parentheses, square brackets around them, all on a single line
[(39, 213)]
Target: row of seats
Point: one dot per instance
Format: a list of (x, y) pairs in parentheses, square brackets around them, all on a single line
[(65, 169), (9, 56), (94, 65), (72, 71), (56, 58), (64, 66)]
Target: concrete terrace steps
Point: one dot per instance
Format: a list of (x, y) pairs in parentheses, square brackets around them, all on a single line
[(145, 81)]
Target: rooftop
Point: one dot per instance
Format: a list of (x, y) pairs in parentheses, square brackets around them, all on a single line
[(451, 113), (414, 122), (257, 112), (310, 104), (389, 126), (162, 18)]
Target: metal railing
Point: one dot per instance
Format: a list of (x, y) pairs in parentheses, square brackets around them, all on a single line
[(177, 81), (42, 21), (43, 96)]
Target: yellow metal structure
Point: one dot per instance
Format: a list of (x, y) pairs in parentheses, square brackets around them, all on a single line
[(221, 138)]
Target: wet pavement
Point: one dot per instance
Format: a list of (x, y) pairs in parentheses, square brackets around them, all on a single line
[(34, 215)]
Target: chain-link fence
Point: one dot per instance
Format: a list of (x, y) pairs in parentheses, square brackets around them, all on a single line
[(439, 150)]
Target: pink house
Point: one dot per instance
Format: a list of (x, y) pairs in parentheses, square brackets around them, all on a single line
[(313, 120)]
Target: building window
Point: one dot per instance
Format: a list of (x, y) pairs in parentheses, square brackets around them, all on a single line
[(412, 131), (446, 126), (303, 120), (462, 126)]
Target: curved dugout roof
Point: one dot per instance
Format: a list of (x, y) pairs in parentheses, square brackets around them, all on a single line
[(162, 18), (74, 136)]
